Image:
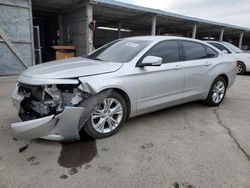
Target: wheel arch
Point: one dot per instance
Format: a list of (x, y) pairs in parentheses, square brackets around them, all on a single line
[(124, 95), (240, 61), (208, 101), (225, 77), (244, 66)]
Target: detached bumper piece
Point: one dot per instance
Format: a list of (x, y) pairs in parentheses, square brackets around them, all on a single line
[(33, 128), (62, 127)]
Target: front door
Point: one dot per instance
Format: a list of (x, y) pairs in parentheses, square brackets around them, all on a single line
[(160, 86)]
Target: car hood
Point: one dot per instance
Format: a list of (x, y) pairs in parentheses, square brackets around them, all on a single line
[(71, 68)]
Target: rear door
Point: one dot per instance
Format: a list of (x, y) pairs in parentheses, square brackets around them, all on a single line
[(160, 86), (198, 62)]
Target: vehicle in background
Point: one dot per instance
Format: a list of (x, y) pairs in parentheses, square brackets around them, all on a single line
[(243, 58), (125, 78)]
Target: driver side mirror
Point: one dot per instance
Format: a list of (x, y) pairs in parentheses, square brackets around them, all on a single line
[(151, 61)]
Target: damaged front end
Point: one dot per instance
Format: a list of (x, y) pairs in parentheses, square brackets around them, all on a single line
[(48, 111)]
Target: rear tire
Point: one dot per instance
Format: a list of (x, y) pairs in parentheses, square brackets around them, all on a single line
[(241, 68), (108, 117), (217, 92)]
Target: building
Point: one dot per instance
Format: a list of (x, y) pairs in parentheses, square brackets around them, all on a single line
[(29, 28)]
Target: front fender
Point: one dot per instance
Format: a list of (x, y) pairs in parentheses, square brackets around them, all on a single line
[(97, 84)]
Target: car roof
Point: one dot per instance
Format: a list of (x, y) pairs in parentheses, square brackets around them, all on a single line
[(160, 38)]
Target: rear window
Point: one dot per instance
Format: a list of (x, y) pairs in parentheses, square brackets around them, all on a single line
[(211, 52), (232, 47), (220, 47), (193, 50)]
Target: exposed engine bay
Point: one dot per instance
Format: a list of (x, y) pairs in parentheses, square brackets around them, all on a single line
[(54, 111), (41, 101)]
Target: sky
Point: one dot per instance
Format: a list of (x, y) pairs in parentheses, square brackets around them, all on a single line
[(236, 12)]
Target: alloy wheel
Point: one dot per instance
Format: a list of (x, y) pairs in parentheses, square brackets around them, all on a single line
[(239, 68), (218, 91), (107, 116)]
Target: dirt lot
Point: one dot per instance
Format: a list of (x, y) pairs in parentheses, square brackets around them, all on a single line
[(186, 146)]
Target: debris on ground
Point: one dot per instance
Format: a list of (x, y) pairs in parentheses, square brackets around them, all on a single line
[(148, 145), (63, 176), (31, 159), (73, 171), (87, 166), (182, 185), (23, 148)]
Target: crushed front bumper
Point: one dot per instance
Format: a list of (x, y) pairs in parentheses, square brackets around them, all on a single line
[(33, 128), (61, 127)]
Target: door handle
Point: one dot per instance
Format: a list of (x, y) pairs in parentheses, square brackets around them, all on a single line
[(208, 64), (177, 67)]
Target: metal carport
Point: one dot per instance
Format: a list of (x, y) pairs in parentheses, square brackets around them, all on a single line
[(18, 16)]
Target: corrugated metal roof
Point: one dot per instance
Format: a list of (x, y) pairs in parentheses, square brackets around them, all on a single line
[(112, 3)]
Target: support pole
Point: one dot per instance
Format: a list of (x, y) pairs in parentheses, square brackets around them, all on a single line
[(119, 30), (89, 32), (194, 31), (60, 24), (31, 33), (241, 39), (153, 27), (221, 34)]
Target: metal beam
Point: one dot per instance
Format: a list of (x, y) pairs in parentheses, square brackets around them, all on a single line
[(135, 8), (135, 18), (38, 46), (194, 31), (119, 30), (73, 6), (31, 33), (89, 32), (221, 34), (14, 5), (60, 24), (153, 26), (241, 39), (17, 41)]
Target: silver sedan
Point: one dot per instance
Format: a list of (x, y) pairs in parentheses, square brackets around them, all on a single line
[(125, 78)]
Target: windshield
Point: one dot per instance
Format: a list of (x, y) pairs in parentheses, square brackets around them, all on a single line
[(232, 47), (121, 51)]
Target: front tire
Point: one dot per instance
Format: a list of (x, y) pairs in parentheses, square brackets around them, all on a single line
[(108, 117), (217, 92), (241, 68)]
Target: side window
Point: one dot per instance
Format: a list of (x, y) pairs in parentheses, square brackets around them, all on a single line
[(211, 52), (194, 50), (167, 50), (220, 47)]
